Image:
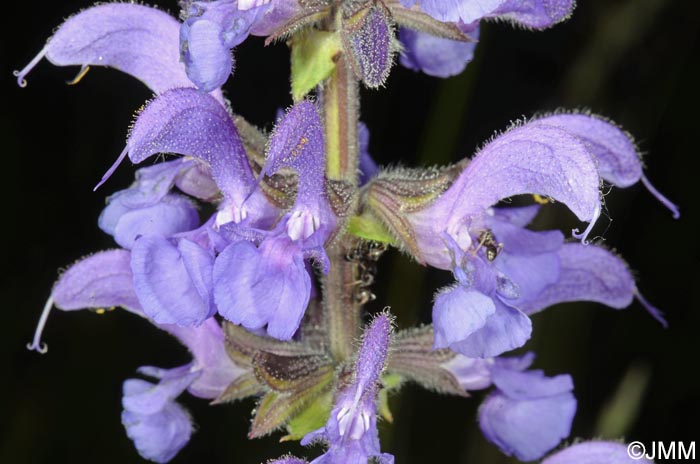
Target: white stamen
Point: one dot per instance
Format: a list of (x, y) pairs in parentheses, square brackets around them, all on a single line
[(37, 344), (112, 168), (584, 235), (302, 224), (20, 75), (230, 213), (664, 201), (244, 5), (461, 236)]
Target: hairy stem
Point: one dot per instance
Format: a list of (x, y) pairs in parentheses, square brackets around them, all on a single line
[(342, 309), (341, 306), (340, 99)]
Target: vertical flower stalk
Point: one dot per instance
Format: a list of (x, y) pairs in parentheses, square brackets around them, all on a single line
[(341, 108), (340, 105)]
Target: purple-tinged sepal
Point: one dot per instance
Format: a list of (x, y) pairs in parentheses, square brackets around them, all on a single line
[(528, 414), (351, 430), (413, 358), (368, 39), (139, 40), (158, 426), (618, 159)]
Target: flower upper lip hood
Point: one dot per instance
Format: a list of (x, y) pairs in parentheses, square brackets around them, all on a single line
[(562, 156), (190, 123), (532, 158), (139, 40)]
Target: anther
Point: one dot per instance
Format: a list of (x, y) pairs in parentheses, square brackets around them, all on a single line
[(83, 71)]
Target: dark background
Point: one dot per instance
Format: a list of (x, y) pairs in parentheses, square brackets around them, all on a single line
[(635, 61)]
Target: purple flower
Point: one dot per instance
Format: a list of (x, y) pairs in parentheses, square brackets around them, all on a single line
[(209, 33), (531, 158), (537, 14), (618, 159), (158, 426), (148, 207), (136, 39), (594, 452), (528, 413), (505, 271), (368, 167), (269, 284), (443, 57), (351, 430), (178, 278), (105, 280), (437, 56)]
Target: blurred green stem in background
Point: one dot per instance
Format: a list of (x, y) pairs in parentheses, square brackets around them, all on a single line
[(621, 411)]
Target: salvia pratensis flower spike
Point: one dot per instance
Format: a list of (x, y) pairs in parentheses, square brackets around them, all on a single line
[(250, 261)]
